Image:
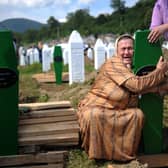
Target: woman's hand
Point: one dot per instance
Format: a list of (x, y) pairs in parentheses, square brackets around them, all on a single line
[(162, 64)]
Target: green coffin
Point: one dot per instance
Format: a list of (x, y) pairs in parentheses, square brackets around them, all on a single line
[(8, 95), (58, 64), (146, 56)]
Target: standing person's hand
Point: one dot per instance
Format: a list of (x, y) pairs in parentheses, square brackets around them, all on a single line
[(156, 32)]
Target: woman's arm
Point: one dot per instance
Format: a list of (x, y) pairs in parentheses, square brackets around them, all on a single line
[(139, 84)]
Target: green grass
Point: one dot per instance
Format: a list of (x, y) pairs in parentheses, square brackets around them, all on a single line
[(77, 158), (30, 69), (29, 88)]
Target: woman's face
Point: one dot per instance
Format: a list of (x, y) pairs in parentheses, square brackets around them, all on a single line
[(125, 51)]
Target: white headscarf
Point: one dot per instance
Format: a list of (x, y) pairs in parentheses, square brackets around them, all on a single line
[(119, 38)]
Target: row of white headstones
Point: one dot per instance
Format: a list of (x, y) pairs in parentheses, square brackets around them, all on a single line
[(73, 55)]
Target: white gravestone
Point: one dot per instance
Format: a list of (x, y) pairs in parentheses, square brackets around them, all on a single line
[(110, 50), (36, 55), (51, 51), (31, 56), (76, 58), (65, 56), (64, 47), (28, 54), (46, 58), (99, 50), (22, 55), (90, 53)]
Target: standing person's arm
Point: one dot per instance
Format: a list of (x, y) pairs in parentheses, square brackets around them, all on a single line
[(158, 26), (156, 32)]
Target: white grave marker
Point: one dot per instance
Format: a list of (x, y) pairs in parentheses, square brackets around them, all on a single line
[(36, 55), (90, 53), (110, 50), (51, 51), (31, 56), (46, 58), (76, 58), (64, 47), (65, 56), (99, 49), (22, 55)]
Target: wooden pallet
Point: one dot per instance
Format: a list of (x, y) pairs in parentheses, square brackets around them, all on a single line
[(54, 159), (48, 124)]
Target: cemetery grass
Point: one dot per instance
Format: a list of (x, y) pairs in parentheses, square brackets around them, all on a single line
[(31, 91)]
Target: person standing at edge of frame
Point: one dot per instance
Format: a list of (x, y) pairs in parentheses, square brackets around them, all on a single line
[(159, 21)]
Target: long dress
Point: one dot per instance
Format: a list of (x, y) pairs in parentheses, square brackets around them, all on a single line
[(110, 122)]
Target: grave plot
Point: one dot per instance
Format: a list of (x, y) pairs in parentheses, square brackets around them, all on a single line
[(50, 77)]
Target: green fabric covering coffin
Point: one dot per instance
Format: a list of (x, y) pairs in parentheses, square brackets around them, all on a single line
[(58, 64), (146, 55), (8, 95)]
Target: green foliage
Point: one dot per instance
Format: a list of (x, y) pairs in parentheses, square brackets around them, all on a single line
[(30, 36), (81, 21)]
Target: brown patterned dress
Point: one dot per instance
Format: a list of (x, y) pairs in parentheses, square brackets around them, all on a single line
[(110, 122)]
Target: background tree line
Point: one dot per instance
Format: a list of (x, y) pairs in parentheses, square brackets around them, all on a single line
[(121, 20)]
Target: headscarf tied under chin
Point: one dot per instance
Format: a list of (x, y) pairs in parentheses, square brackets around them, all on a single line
[(123, 36)]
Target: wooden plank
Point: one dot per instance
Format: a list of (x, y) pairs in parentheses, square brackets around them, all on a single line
[(48, 129), (45, 105), (48, 139), (58, 165), (48, 113), (47, 120), (31, 149), (72, 143), (157, 160), (49, 157)]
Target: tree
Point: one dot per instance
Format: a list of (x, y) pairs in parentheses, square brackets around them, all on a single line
[(80, 20), (54, 27), (52, 22), (119, 5), (101, 19), (30, 36)]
